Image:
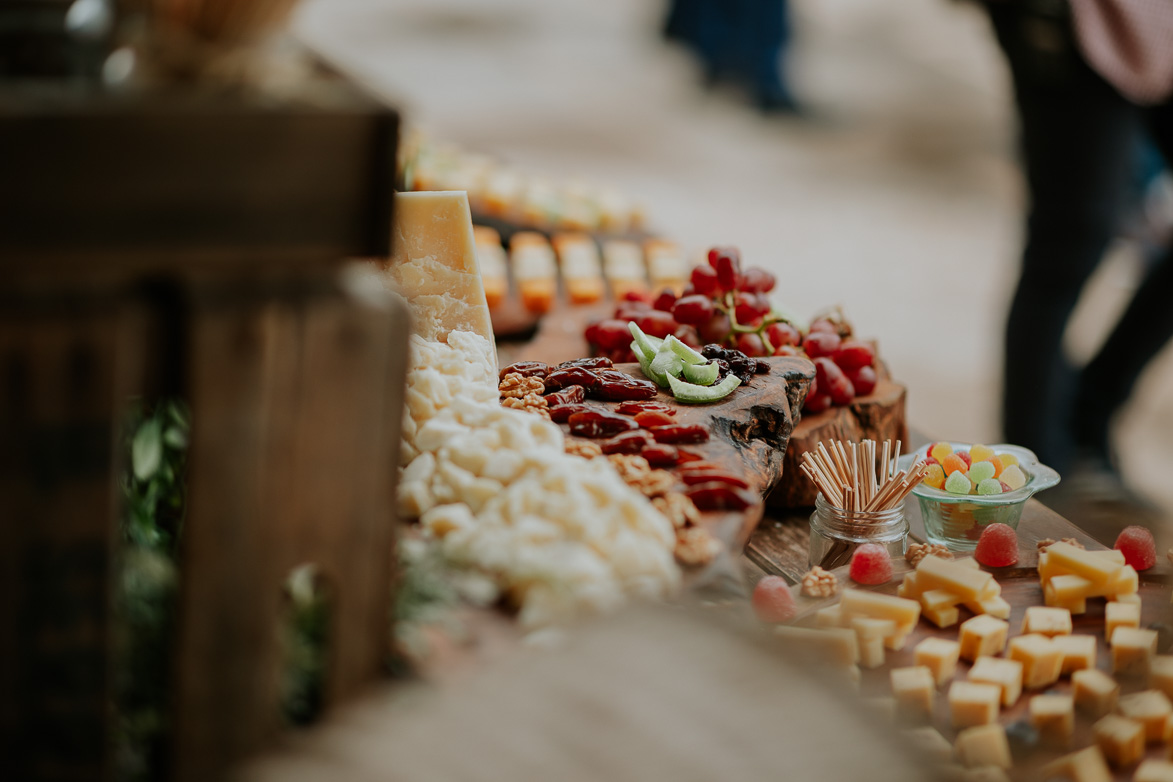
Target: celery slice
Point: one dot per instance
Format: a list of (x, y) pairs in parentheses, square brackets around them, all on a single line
[(645, 366), (649, 345), (687, 354), (667, 363), (702, 374), (690, 393)]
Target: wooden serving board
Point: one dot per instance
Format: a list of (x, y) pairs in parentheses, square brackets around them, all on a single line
[(1020, 587), (749, 430)]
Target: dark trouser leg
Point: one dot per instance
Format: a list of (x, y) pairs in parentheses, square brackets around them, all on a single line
[(1146, 326), (1077, 138)]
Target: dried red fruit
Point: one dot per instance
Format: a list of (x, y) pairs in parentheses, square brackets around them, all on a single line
[(628, 442), (599, 423), (649, 418), (634, 408), (572, 376), (716, 495), (561, 414), (688, 457), (661, 455), (593, 362), (693, 477), (571, 395), (526, 369), (676, 434), (616, 387)]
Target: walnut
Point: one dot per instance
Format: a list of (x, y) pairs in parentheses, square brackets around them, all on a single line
[(819, 583), (517, 386), (679, 509), (1043, 543), (918, 551), (530, 403), (631, 468), (584, 448), (695, 546), (655, 483)]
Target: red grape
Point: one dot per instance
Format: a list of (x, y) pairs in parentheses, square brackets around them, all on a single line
[(751, 345), (689, 289), (782, 333), (757, 280), (630, 310), (816, 403), (609, 334), (727, 263), (664, 300), (688, 335), (787, 350), (832, 380), (813, 388), (864, 380), (822, 324), (821, 343), (693, 310), (853, 354), (715, 329), (750, 307), (704, 281), (639, 296), (656, 323)]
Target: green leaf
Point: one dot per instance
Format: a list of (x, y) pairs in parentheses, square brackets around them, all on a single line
[(175, 437), (146, 452)]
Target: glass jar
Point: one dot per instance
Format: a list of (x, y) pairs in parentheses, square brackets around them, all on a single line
[(835, 532)]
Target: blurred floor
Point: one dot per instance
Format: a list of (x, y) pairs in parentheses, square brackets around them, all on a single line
[(898, 198)]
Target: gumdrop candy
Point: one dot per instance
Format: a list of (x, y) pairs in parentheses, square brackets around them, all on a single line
[(1013, 477), (957, 483), (935, 476), (1007, 459), (772, 601), (1005, 486), (931, 460), (980, 471), (980, 453), (1138, 547), (989, 485), (998, 466), (953, 463), (997, 547), (871, 564), (965, 457), (940, 450)]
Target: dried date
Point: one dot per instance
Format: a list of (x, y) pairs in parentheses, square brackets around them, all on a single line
[(572, 376), (599, 423), (635, 408), (680, 433), (571, 395), (561, 414), (661, 455), (693, 477), (715, 495), (629, 442), (649, 418), (688, 457), (595, 362), (618, 387), (526, 369)]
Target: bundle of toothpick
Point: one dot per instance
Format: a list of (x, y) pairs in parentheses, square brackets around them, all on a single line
[(851, 477)]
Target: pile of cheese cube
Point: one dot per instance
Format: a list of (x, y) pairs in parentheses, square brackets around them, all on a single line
[(941, 585), (1069, 576)]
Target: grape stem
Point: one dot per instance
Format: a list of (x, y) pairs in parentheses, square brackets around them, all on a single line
[(727, 306)]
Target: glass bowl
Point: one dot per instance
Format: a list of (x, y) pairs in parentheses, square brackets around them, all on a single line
[(956, 520)]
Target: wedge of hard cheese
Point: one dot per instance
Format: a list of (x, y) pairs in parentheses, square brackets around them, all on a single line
[(434, 265)]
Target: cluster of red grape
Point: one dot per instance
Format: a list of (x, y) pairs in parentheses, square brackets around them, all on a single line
[(725, 305)]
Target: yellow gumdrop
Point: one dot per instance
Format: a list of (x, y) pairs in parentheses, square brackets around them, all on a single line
[(981, 453), (1013, 477), (1007, 459), (940, 450), (935, 477)]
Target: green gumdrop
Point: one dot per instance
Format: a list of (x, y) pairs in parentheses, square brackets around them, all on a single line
[(980, 471), (957, 483), (1013, 477), (989, 486)]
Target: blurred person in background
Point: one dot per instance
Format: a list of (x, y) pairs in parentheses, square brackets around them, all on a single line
[(742, 42), (1089, 77)]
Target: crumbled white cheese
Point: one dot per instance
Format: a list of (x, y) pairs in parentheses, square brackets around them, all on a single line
[(493, 486)]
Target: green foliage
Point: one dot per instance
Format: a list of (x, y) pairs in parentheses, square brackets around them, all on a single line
[(306, 636)]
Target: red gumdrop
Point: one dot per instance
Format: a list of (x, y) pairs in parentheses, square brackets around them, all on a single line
[(871, 564), (964, 456), (931, 460), (1138, 547), (772, 601), (997, 546), (1005, 486)]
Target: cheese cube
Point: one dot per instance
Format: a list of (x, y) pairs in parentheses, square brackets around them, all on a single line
[(883, 708), (1042, 660), (1079, 652), (982, 635), (943, 617), (965, 582), (1154, 771), (1095, 692), (1111, 554), (1150, 708), (1120, 615), (983, 745), (1097, 569), (994, 606), (902, 611), (1054, 717), (940, 656), (1160, 673), (1127, 581), (1133, 650), (871, 652), (1133, 598), (1086, 765), (913, 688), (1120, 739), (936, 599), (831, 616), (896, 642), (835, 646), (1047, 621), (868, 628), (929, 743), (1007, 674), (1066, 588), (1078, 606), (973, 703), (968, 562)]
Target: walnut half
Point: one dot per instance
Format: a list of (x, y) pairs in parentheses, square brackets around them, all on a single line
[(918, 551), (517, 386), (819, 583), (695, 546), (530, 403)]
